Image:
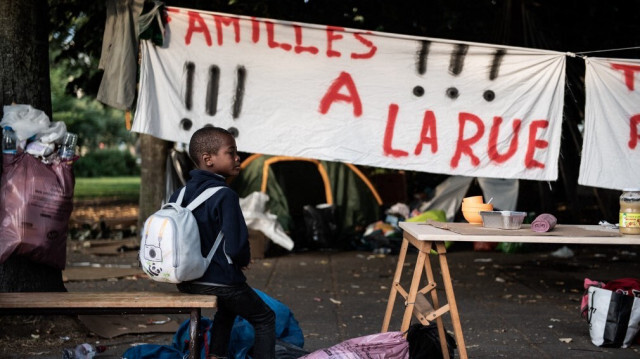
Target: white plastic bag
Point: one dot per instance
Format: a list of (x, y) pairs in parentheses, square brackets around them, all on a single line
[(25, 120), (53, 133), (258, 218)]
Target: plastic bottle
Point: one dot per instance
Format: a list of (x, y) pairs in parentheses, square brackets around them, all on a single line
[(68, 148), (9, 141), (82, 351), (630, 211)]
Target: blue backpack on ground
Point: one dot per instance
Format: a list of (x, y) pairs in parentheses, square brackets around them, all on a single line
[(242, 333), (152, 351), (290, 339)]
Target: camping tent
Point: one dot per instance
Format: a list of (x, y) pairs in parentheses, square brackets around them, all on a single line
[(292, 182)]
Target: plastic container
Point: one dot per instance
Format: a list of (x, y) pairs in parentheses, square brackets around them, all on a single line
[(471, 212), (502, 219), (9, 141), (68, 148), (83, 351), (474, 199), (630, 211)]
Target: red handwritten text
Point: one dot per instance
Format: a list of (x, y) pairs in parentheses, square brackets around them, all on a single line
[(634, 134), (465, 146), (333, 95), (339, 42), (629, 73)]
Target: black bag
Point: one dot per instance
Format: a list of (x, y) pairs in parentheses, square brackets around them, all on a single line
[(424, 342), (321, 225)]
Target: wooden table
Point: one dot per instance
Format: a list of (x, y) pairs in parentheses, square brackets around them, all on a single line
[(425, 238)]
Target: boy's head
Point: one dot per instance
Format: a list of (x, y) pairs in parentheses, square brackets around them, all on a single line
[(213, 149)]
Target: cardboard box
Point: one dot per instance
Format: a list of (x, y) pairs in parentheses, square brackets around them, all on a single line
[(258, 243)]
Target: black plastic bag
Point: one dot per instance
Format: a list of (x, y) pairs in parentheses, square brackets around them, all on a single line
[(424, 342), (286, 350), (321, 225)]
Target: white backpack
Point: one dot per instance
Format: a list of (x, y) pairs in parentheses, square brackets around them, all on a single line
[(170, 247)]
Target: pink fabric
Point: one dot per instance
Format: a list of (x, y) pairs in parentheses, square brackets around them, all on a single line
[(584, 306), (544, 223), (389, 345)]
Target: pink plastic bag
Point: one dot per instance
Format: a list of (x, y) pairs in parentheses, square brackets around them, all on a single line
[(389, 345), (36, 203)]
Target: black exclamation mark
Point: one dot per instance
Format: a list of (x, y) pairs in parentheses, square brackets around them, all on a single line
[(212, 90), (421, 64), (457, 59), (241, 76), (455, 67), (489, 95), (190, 69)]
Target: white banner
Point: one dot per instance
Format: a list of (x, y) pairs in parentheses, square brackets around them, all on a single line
[(611, 145), (355, 96)]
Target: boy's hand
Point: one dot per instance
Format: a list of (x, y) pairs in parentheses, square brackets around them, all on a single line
[(248, 265)]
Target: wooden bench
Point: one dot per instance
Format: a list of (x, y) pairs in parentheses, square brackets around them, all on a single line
[(66, 303)]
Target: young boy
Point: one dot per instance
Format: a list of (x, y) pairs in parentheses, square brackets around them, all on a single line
[(215, 155)]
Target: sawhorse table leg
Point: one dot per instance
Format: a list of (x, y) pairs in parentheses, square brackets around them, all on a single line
[(423, 263)]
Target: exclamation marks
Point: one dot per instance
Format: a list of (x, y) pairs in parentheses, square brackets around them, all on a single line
[(213, 89), (189, 69), (489, 95), (456, 63), (241, 76), (421, 64), (457, 59)]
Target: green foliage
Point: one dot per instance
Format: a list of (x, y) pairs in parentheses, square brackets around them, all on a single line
[(106, 163), (94, 123), (120, 188), (75, 35)]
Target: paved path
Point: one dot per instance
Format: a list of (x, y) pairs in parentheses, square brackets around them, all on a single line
[(511, 305)]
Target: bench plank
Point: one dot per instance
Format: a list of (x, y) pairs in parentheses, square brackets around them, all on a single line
[(59, 303), (69, 300)]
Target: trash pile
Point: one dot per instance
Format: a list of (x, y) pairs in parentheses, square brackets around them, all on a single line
[(37, 186), (26, 129), (385, 236)]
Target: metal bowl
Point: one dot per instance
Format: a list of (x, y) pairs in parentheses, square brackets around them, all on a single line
[(502, 219)]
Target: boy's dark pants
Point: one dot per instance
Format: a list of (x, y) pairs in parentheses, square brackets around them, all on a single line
[(243, 301)]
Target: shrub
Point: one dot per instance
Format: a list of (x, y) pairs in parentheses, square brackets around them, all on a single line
[(106, 163)]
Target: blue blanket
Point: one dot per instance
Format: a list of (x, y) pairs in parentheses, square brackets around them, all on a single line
[(242, 335)]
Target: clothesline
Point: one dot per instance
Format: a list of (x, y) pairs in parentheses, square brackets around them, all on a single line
[(608, 50)]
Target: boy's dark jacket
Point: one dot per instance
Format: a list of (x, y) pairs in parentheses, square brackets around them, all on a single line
[(220, 212)]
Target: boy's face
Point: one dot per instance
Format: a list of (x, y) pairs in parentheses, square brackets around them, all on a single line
[(226, 162)]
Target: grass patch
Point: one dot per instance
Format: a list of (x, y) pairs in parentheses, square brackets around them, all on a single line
[(113, 188)]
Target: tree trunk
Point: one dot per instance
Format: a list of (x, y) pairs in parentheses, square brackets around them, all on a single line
[(24, 79), (153, 153), (24, 54)]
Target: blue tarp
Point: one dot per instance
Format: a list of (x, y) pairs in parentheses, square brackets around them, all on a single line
[(242, 336)]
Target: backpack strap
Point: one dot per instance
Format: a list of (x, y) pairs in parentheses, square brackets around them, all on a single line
[(216, 244), (181, 196), (205, 195)]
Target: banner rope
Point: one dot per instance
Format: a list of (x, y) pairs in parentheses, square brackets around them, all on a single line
[(608, 50)]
